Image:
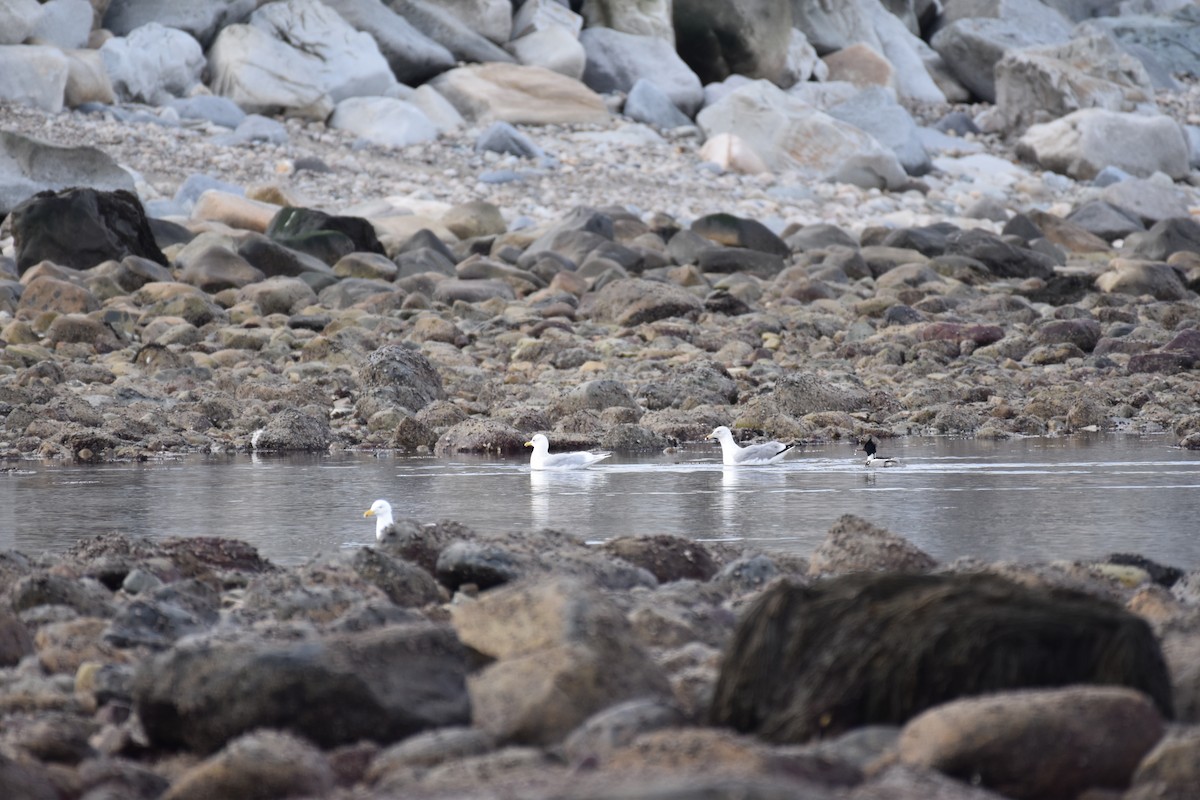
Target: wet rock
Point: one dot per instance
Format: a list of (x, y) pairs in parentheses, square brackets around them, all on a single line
[(406, 584), (601, 735), (426, 750), (321, 235), (480, 436), (85, 596), (54, 737), (80, 228), (1126, 276), (563, 653), (634, 301), (1082, 738), (594, 395), (15, 640), (401, 377), (807, 393), (484, 564), (216, 268), (855, 545), (380, 685), (1170, 771), (1001, 258), (29, 165), (627, 437), (293, 430), (903, 782), (25, 780), (1083, 333), (164, 615), (668, 558), (275, 260), (1165, 238), (278, 295), (733, 231), (261, 764), (52, 294), (989, 634)]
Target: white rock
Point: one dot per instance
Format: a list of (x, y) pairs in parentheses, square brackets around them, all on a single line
[(833, 26), (640, 17), (383, 121), (538, 15), (264, 75), (519, 95), (202, 19), (64, 23), (554, 48), (492, 19), (732, 154), (1084, 142), (1039, 84), (344, 62), (153, 64), (33, 75), (803, 63), (17, 20), (87, 79), (438, 109), (616, 60), (788, 134)]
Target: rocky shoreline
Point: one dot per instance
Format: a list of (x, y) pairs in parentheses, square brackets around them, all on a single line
[(301, 226), (444, 663)]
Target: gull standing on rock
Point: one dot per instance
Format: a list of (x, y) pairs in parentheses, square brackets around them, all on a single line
[(733, 455), (542, 459)]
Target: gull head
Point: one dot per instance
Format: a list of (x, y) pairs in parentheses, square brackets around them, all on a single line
[(381, 510), (538, 442), (720, 433)]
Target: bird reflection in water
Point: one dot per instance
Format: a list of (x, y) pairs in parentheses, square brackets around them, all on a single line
[(566, 491)]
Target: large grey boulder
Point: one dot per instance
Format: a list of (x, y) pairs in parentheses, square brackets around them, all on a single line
[(413, 56), (616, 61), (1040, 84), (718, 39), (1171, 40), (835, 26), (876, 111), (17, 20), (381, 685), (1086, 141), (972, 46), (554, 48), (202, 20), (297, 57), (491, 19), (401, 377), (64, 23), (519, 95), (29, 166), (345, 62), (789, 134), (448, 30), (153, 64), (384, 121), (33, 75)]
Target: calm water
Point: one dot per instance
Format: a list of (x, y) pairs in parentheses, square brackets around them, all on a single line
[(1033, 499)]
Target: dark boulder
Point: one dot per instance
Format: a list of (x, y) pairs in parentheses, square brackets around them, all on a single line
[(1004, 260), (809, 661), (668, 558), (322, 235), (382, 685), (80, 228)]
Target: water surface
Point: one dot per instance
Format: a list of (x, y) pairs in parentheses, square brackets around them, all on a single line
[(1028, 499)]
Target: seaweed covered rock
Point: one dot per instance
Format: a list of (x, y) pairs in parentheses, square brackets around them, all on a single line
[(818, 660)]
